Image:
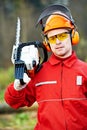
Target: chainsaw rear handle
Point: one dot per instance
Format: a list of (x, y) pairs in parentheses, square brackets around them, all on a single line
[(37, 44), (20, 67)]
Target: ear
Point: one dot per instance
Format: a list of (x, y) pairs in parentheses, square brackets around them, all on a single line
[(75, 37), (46, 44)]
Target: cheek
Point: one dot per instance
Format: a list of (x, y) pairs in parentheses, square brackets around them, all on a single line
[(68, 43), (52, 46)]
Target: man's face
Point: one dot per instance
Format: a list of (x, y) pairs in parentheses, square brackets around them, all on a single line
[(60, 42)]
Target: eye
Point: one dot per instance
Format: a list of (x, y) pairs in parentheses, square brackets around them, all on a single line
[(62, 35), (52, 38)]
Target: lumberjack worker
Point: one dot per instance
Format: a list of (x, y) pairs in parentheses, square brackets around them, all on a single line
[(60, 86)]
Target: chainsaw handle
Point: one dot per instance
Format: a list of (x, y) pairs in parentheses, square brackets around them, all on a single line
[(37, 44), (20, 67)]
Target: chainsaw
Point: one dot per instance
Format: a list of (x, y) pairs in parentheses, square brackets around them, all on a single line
[(26, 56)]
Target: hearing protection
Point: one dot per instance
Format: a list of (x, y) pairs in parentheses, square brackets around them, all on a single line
[(54, 17), (46, 44), (74, 37)]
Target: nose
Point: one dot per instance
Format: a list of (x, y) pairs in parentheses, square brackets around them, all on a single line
[(58, 41)]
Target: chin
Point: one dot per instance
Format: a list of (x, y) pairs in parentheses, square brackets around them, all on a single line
[(62, 55)]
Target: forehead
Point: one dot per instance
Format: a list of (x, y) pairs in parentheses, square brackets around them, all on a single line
[(56, 31)]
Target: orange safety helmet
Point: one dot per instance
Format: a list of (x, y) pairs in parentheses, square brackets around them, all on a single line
[(58, 16), (57, 21)]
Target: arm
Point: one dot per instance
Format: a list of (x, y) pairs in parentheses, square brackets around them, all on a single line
[(20, 98)]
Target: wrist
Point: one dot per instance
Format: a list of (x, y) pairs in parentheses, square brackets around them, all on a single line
[(18, 86)]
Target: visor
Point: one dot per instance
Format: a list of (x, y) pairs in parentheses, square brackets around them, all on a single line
[(55, 8)]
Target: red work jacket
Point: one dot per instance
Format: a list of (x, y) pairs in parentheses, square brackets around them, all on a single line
[(60, 89)]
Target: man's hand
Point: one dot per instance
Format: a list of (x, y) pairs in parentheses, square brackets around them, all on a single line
[(17, 83)]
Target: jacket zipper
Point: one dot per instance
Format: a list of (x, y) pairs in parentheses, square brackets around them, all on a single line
[(61, 80), (61, 92)]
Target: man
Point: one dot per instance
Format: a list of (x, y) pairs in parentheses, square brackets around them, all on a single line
[(60, 86)]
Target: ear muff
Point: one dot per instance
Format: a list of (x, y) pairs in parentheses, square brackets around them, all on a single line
[(46, 44), (75, 37)]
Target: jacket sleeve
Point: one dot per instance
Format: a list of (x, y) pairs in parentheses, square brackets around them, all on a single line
[(21, 98)]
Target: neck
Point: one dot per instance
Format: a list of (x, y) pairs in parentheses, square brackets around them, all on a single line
[(65, 55)]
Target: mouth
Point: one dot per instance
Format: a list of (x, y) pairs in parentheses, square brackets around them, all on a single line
[(59, 47)]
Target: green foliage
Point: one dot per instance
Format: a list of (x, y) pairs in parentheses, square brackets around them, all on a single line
[(6, 77), (24, 119), (81, 49), (1, 96), (19, 121)]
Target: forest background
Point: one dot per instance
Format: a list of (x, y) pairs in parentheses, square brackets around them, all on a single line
[(29, 11)]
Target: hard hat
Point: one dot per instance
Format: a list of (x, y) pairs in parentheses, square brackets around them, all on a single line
[(58, 16), (57, 21), (50, 10)]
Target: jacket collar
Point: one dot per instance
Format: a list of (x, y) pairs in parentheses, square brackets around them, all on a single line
[(69, 61)]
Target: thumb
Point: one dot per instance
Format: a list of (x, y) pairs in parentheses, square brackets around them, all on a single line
[(26, 79)]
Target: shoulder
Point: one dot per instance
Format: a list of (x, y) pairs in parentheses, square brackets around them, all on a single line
[(82, 63), (43, 67)]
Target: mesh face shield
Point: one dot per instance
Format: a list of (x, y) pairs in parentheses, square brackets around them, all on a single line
[(54, 9)]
